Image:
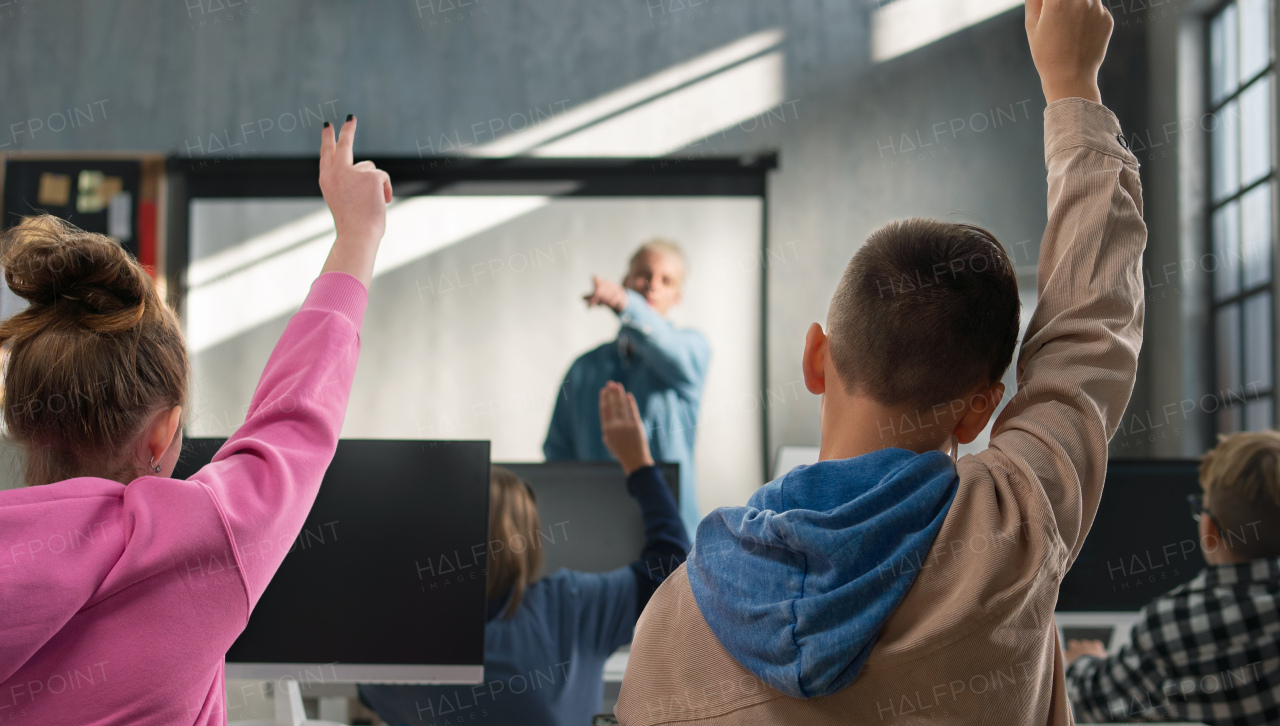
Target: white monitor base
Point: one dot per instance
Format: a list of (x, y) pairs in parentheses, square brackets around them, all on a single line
[(289, 710)]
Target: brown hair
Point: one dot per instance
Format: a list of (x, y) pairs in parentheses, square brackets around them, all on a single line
[(1241, 481), (925, 312), (515, 551), (92, 358)]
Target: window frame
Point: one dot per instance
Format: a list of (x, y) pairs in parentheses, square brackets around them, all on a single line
[(1236, 400)]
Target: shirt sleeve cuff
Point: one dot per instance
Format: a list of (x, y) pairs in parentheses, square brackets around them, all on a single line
[(629, 311), (1074, 122), (645, 476), (1079, 664), (341, 293)]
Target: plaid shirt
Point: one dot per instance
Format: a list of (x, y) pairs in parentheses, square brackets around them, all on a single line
[(1206, 651)]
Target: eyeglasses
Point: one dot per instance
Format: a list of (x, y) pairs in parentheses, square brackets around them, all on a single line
[(1198, 509)]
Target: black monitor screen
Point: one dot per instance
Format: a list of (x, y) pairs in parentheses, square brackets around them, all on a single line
[(589, 522), (390, 565), (1143, 542)]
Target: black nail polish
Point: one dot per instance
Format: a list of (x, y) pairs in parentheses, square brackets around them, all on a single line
[(326, 124), (350, 116)]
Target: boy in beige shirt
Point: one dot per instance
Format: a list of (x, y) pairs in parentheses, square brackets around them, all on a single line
[(887, 583)]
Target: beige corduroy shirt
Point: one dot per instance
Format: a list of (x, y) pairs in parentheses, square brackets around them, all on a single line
[(974, 641)]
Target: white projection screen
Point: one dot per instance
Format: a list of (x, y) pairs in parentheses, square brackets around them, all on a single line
[(476, 312)]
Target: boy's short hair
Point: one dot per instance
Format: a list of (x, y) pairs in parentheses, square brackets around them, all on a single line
[(1241, 482), (925, 312)]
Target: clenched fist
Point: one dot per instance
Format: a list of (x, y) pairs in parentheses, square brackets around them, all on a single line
[(1068, 42)]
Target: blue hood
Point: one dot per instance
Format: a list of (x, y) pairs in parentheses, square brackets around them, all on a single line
[(797, 584)]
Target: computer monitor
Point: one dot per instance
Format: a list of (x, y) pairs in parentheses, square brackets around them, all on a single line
[(386, 581), (1143, 542), (589, 522)]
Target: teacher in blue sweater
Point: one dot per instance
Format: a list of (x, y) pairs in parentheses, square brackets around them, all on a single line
[(547, 639), (663, 366)]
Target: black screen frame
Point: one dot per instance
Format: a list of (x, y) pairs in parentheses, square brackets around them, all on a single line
[(720, 176), (316, 566)]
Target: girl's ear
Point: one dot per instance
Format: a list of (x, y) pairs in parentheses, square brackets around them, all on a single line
[(164, 430), (174, 422)]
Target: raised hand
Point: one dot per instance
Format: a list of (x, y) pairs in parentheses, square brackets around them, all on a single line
[(1068, 42), (624, 433), (606, 292), (357, 195)]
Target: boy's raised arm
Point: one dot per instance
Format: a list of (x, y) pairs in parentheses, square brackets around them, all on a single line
[(1078, 362)]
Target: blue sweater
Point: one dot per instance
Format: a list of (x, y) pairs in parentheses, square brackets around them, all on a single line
[(665, 368), (546, 664)]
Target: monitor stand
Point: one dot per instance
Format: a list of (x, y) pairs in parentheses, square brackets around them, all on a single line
[(289, 710)]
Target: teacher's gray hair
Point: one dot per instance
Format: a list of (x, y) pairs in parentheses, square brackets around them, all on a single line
[(663, 246)]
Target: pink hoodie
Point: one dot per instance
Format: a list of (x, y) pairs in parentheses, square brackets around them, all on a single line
[(118, 603)]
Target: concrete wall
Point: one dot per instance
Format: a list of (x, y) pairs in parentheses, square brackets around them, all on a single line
[(953, 130)]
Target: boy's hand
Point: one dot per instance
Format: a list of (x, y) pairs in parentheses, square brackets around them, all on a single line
[(1077, 648), (623, 429), (606, 293), (357, 195), (1068, 42)]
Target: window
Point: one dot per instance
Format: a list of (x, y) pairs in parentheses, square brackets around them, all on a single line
[(1241, 76)]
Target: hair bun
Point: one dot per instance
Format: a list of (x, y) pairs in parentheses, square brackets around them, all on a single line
[(93, 357), (50, 262)]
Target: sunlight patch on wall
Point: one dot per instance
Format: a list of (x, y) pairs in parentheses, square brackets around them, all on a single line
[(666, 111), (228, 301), (907, 25)]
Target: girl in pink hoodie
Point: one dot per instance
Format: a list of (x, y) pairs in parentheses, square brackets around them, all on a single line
[(121, 588)]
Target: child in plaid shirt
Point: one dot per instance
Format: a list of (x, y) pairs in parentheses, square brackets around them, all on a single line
[(1208, 650)]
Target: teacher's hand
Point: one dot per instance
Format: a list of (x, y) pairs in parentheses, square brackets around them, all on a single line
[(607, 293), (623, 429)]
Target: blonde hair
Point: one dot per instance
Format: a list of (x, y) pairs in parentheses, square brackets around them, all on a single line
[(1241, 481), (661, 246), (515, 552), (94, 355)]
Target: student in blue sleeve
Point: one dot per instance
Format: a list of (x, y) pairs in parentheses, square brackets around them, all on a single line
[(547, 639), (665, 367)]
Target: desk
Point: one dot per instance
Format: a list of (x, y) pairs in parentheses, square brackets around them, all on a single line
[(258, 700), (252, 702)]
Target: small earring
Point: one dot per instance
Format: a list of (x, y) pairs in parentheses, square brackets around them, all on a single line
[(154, 466)]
